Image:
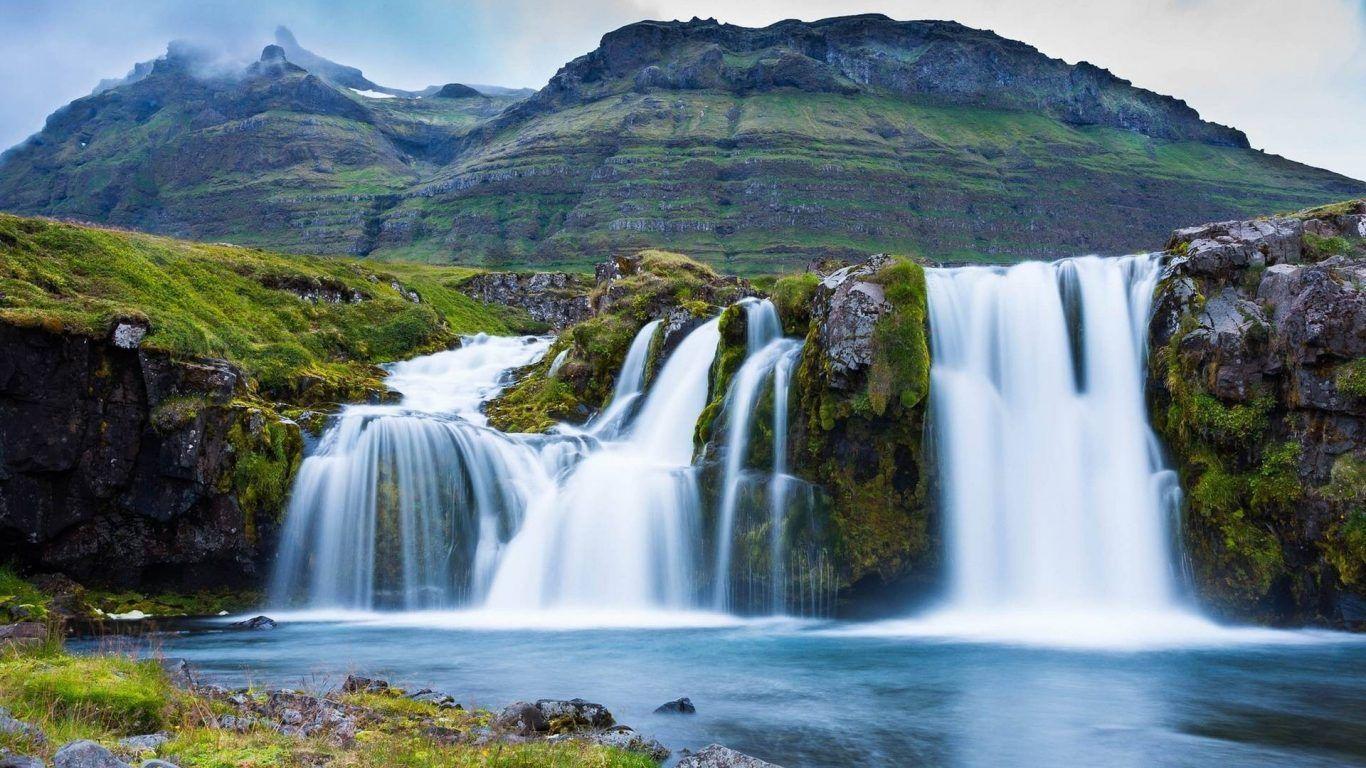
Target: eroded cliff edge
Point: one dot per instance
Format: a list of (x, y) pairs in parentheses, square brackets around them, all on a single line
[(1257, 386)]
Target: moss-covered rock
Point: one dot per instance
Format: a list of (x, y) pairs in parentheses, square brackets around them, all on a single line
[(631, 291), (861, 386), (1252, 380)]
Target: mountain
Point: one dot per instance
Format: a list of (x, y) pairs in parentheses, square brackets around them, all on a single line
[(758, 149)]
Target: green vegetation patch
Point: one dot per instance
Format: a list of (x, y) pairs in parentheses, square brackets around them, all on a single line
[(308, 329)]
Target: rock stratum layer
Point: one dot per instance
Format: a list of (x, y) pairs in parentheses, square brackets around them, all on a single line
[(758, 149)]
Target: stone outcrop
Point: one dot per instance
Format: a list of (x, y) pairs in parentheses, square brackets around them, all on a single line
[(125, 467), (717, 756), (557, 299), (861, 387), (1258, 386)]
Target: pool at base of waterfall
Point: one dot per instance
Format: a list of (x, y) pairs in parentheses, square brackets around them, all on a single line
[(826, 694)]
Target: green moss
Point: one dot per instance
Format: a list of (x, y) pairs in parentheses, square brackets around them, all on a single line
[(901, 352), (535, 405), (1350, 378), (20, 600), (236, 303), (1318, 247), (267, 452), (792, 295), (120, 694)]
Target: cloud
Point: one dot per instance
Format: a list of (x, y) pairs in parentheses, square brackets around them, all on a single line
[(1292, 76)]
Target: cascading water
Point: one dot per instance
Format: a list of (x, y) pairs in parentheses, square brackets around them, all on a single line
[(405, 505), (769, 364), (1054, 496), (618, 531), (630, 383)]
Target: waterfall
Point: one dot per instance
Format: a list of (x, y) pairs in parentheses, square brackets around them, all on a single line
[(770, 360), (619, 531), (1052, 492), (630, 382), (405, 505)]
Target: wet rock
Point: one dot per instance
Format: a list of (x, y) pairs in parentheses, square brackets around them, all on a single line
[(86, 754), (574, 714), (522, 717), (12, 726), (358, 684), (717, 756), (149, 742), (256, 622), (683, 706)]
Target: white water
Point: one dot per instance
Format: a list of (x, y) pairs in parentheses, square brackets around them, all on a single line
[(619, 531), (630, 384), (1055, 502), (420, 488)]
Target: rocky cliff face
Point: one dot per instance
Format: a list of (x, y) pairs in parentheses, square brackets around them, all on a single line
[(1258, 386), (128, 468)]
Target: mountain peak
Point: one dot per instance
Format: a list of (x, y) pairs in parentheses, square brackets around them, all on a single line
[(273, 53)]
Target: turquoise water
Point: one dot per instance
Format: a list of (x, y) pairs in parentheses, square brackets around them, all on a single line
[(831, 694)]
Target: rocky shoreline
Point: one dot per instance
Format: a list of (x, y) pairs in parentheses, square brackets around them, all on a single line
[(342, 719)]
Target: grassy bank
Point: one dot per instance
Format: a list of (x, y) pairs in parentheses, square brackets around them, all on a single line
[(106, 697), (283, 319)]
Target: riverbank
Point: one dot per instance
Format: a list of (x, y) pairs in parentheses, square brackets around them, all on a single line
[(113, 709)]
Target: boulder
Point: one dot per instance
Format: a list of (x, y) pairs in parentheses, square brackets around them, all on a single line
[(148, 742), (554, 716), (846, 309), (255, 622), (157, 764), (12, 726), (23, 633), (21, 761), (522, 717), (439, 699), (86, 754), (358, 684), (717, 756), (681, 706), (628, 739)]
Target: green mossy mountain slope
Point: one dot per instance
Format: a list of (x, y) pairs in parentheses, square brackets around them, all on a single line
[(756, 149)]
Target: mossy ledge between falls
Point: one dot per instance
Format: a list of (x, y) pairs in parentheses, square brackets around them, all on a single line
[(1256, 385)]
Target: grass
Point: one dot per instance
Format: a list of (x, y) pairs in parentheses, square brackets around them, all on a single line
[(237, 303), (106, 696)]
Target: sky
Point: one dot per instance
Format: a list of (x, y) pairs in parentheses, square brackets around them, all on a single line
[(1290, 73)]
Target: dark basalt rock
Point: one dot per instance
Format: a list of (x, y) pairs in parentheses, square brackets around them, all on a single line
[(683, 706), (118, 465), (258, 623), (358, 684)]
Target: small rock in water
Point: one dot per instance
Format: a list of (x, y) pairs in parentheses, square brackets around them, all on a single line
[(86, 754), (21, 761), (717, 756), (681, 706), (256, 622), (358, 684), (149, 742)]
